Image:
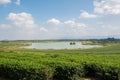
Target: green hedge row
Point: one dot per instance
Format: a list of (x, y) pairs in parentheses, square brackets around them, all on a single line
[(17, 72), (101, 72), (58, 71)]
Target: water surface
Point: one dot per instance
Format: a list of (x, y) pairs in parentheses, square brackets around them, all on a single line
[(61, 45)]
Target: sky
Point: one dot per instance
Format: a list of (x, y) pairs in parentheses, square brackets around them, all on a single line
[(59, 19)]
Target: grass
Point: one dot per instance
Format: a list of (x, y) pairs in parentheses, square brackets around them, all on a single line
[(33, 64)]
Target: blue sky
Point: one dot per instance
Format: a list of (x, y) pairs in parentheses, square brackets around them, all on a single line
[(59, 19)]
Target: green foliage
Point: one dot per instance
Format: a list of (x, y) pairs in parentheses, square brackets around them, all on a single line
[(68, 72), (31, 64)]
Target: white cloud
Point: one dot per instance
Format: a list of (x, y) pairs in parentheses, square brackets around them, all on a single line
[(5, 1), (107, 6), (85, 14), (54, 21), (22, 19), (74, 24), (42, 29), (17, 2), (69, 22), (5, 26), (107, 30)]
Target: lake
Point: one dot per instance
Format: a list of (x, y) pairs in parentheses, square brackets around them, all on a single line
[(61, 45)]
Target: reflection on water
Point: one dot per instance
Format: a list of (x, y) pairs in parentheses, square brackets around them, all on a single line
[(61, 45)]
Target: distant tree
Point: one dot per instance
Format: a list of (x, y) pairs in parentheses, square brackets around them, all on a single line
[(111, 39)]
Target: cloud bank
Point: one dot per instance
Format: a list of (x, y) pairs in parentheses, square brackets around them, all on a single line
[(21, 19), (85, 14), (5, 1), (107, 7)]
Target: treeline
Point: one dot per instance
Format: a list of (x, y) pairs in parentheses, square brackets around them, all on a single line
[(115, 40)]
